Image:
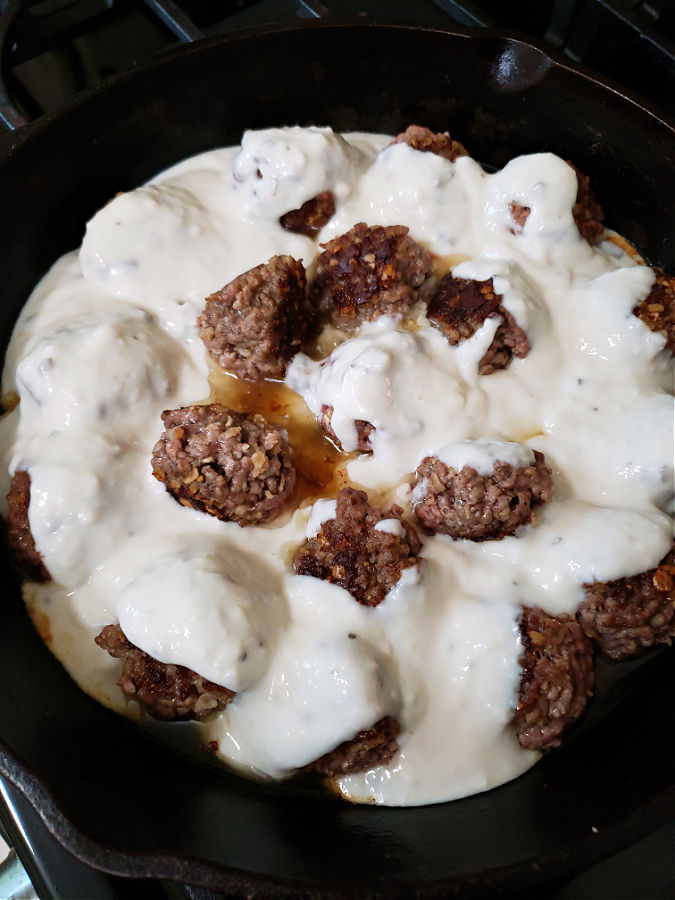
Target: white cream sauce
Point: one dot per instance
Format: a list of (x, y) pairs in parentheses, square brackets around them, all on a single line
[(481, 455), (108, 340)]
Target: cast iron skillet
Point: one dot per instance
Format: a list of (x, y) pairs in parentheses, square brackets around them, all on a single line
[(106, 790)]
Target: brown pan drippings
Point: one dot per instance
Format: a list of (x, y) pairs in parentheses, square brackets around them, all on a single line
[(320, 466)]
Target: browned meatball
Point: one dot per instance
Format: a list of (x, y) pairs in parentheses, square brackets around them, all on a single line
[(257, 323), (374, 747), (424, 139), (168, 691), (231, 465), (630, 615), (351, 552), (312, 215), (369, 272), (459, 306), (363, 429), (557, 678), (465, 504), (587, 212), (21, 540), (657, 310)]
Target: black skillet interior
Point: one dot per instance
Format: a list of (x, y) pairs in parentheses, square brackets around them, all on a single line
[(109, 792)]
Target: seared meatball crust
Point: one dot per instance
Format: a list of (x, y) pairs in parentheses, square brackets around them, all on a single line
[(310, 218), (231, 465), (21, 541), (368, 272), (557, 678), (363, 430), (351, 552), (166, 690), (440, 143), (657, 310), (465, 504), (256, 324), (628, 616), (587, 212), (374, 747), (459, 306)]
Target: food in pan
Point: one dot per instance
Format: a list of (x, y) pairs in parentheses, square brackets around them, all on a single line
[(352, 454)]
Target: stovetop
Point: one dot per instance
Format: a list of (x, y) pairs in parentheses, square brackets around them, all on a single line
[(56, 48), (59, 47)]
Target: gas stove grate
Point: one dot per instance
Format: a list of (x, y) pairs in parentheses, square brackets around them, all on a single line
[(55, 48)]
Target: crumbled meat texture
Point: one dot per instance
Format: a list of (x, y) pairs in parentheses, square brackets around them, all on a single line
[(351, 552), (519, 215), (363, 430), (465, 504), (257, 323), (557, 678), (168, 691), (19, 534), (657, 310), (510, 340), (424, 139), (312, 215), (231, 465), (374, 747), (459, 306), (369, 272), (587, 212), (630, 615)]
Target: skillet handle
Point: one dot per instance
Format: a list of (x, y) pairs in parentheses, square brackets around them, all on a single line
[(11, 117)]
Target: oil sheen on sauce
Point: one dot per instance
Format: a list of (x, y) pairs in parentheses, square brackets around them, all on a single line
[(319, 464), (108, 340)]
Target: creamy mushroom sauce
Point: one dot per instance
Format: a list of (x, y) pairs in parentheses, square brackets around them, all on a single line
[(108, 340)]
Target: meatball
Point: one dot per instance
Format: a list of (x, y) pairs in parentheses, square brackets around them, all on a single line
[(21, 540), (630, 615), (312, 215), (557, 678), (657, 310), (424, 139), (257, 323), (168, 691), (369, 272), (351, 551), (587, 212), (231, 465), (374, 747), (363, 429), (459, 306), (465, 504)]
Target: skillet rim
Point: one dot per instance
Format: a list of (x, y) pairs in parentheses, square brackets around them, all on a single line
[(14, 138)]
